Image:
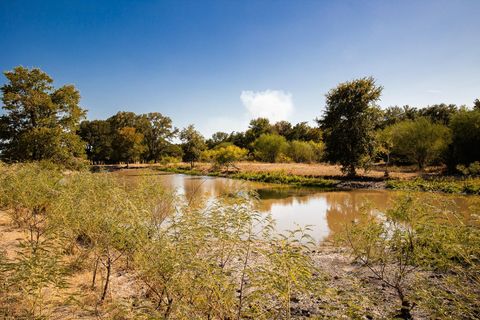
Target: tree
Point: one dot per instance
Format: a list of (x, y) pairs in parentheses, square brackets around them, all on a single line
[(439, 113), (348, 123), (420, 140), (476, 105), (128, 145), (384, 146), (40, 121), (268, 147), (217, 138), (193, 144), (98, 137), (256, 128), (283, 128), (123, 119), (465, 137), (158, 135), (302, 131)]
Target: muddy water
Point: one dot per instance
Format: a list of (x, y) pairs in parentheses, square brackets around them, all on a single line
[(325, 212)]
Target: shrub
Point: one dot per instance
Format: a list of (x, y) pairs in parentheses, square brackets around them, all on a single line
[(425, 235), (225, 156), (420, 140), (268, 147), (301, 151), (471, 170)]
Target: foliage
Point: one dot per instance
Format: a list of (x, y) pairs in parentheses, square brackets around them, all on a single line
[(282, 178), (471, 170), (217, 138), (193, 144), (225, 156), (40, 121), (384, 146), (415, 237), (215, 261), (257, 128), (128, 145), (108, 141), (268, 147), (98, 138), (465, 137), (300, 151), (158, 133), (420, 140), (349, 122), (447, 185)]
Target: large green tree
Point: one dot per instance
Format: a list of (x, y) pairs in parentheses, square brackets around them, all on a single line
[(465, 145), (256, 128), (349, 121), (128, 145), (98, 137), (158, 135), (193, 143), (40, 121)]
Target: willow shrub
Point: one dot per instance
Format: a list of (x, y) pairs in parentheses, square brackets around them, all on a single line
[(415, 239), (214, 259), (35, 274)]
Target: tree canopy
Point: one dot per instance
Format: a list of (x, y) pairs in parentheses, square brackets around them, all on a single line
[(40, 121), (193, 143), (348, 123)]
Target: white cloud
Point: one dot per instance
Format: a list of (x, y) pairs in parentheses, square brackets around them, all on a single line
[(433, 91), (275, 105)]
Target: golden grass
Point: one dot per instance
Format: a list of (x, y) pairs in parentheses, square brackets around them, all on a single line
[(313, 169)]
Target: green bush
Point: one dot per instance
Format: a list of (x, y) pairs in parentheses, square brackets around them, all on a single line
[(225, 156), (301, 151), (473, 169), (269, 147)]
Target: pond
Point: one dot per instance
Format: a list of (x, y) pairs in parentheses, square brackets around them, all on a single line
[(325, 212)]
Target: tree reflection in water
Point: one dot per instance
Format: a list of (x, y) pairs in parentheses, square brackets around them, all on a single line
[(327, 212)]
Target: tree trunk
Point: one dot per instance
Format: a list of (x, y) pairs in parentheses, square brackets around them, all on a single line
[(95, 273), (352, 171), (387, 174), (107, 279)]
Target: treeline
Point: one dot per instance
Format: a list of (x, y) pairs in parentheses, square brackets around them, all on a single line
[(41, 122)]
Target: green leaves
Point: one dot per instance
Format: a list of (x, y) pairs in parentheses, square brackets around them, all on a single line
[(425, 251), (349, 121), (40, 122), (197, 259)]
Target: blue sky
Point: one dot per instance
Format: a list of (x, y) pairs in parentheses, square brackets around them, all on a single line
[(217, 64)]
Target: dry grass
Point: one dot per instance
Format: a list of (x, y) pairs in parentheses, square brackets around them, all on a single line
[(314, 169)]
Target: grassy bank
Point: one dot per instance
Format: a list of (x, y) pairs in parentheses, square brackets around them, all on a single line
[(267, 177), (441, 184), (435, 183)]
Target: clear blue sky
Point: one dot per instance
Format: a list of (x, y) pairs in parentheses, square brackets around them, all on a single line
[(191, 60)]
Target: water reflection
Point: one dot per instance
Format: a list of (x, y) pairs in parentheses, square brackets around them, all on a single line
[(326, 212)]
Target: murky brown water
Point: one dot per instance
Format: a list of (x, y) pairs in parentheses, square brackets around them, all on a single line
[(326, 212)]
